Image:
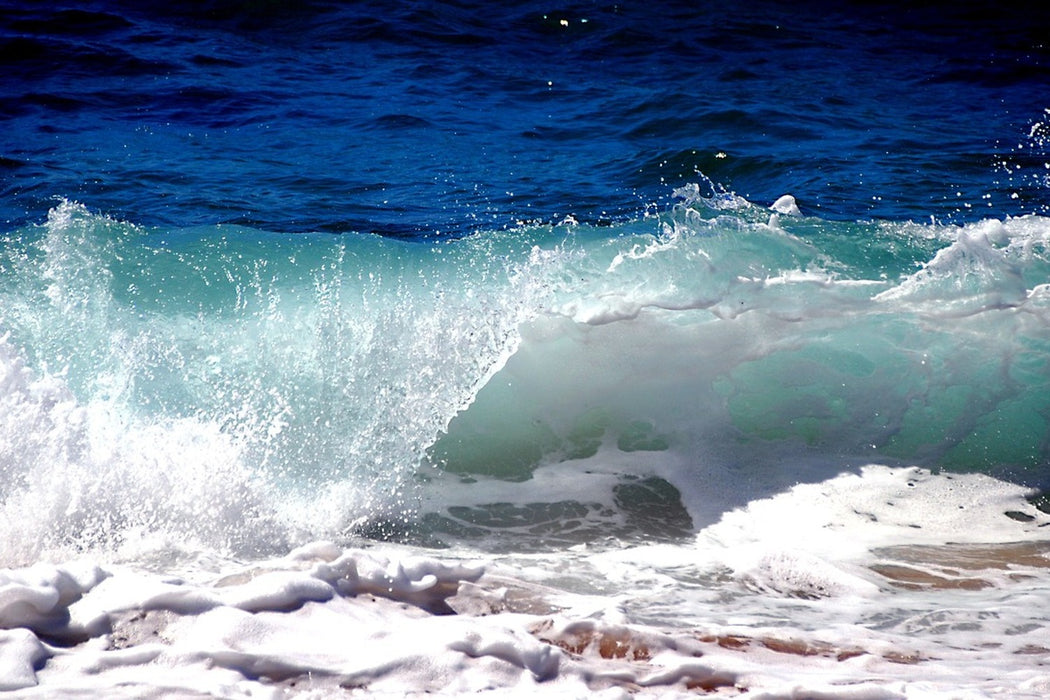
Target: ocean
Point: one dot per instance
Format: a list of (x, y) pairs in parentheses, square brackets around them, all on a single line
[(585, 349)]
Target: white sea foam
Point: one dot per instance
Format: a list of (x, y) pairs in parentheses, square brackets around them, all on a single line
[(782, 598), (84, 477)]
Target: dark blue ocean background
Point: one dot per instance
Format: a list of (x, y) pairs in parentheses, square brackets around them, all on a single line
[(444, 118)]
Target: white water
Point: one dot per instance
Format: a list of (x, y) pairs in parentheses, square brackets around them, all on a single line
[(725, 354), (778, 599)]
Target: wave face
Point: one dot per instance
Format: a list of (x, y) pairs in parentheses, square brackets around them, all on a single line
[(292, 366), (245, 390)]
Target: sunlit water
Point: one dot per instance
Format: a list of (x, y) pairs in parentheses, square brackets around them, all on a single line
[(318, 324)]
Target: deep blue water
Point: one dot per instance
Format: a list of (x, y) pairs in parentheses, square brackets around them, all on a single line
[(424, 117)]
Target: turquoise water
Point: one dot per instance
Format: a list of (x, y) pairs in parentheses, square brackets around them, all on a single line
[(716, 346)]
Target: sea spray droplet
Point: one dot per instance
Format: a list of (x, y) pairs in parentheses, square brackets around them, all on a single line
[(786, 205)]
